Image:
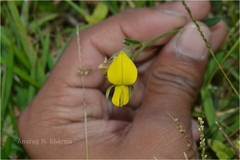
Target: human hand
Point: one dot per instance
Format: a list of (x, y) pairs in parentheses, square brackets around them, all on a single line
[(168, 81)]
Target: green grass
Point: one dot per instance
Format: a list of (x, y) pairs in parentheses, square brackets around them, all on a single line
[(34, 34)]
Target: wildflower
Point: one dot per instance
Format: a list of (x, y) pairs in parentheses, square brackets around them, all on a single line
[(122, 73)]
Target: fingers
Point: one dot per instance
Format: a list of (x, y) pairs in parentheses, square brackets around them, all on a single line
[(219, 32), (106, 38), (172, 87), (195, 6)]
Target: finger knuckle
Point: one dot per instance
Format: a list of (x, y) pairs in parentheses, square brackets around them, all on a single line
[(182, 83)]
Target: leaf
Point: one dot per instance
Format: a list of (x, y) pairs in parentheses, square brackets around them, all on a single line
[(222, 151), (21, 33), (100, 12), (208, 106), (211, 21), (45, 51), (7, 81), (41, 20), (19, 55), (41, 76), (129, 42), (237, 143), (26, 77), (109, 90), (22, 74), (209, 111), (76, 7), (22, 58), (25, 12), (21, 96), (113, 5), (6, 150)]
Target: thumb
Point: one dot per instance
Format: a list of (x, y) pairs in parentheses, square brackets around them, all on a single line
[(172, 87), (178, 72)]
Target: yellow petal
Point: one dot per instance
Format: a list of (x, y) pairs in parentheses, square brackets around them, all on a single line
[(120, 96), (122, 71)]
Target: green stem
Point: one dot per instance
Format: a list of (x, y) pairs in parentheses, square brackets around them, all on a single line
[(147, 43)]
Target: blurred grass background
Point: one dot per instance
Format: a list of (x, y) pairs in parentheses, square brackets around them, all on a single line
[(35, 33)]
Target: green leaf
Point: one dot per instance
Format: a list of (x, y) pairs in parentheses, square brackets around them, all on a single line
[(209, 110), (109, 90), (222, 151), (129, 42), (17, 147), (41, 76), (21, 56), (150, 3), (208, 106), (6, 150), (21, 32), (4, 38), (76, 7), (140, 3), (113, 5), (7, 81), (25, 13), (12, 116), (212, 68), (216, 6), (21, 97), (45, 51), (50, 62), (46, 6), (40, 21), (236, 143), (26, 77), (100, 12), (22, 74), (211, 21)]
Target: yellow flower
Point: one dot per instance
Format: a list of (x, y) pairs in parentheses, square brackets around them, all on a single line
[(123, 74), (120, 96)]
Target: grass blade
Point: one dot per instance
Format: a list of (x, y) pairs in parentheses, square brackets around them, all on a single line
[(21, 74), (18, 54), (40, 21), (7, 82), (6, 150), (76, 7), (22, 34), (113, 6), (209, 110)]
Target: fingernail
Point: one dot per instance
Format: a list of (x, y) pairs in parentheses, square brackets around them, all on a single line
[(195, 132), (190, 43), (195, 125), (172, 12)]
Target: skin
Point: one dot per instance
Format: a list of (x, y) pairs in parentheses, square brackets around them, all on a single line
[(142, 129)]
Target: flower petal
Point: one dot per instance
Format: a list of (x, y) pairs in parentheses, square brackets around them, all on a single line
[(122, 71), (120, 96)]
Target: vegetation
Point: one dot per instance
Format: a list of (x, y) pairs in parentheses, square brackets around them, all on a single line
[(35, 33)]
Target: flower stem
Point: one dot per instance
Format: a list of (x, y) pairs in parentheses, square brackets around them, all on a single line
[(147, 43)]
